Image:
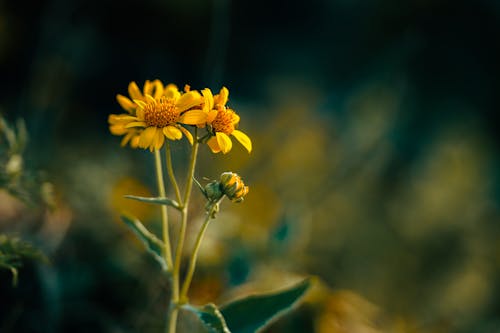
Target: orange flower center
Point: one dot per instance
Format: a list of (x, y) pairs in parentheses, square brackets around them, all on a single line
[(223, 122), (161, 113)]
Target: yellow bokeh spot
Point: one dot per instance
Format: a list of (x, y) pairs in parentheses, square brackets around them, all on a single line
[(119, 204)]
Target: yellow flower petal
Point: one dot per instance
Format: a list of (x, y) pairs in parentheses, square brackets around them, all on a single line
[(140, 103), (235, 118), (153, 88), (188, 100), (147, 137), (188, 134), (224, 142), (158, 89), (150, 99), (125, 103), (222, 97), (171, 91), (214, 146), (133, 91), (159, 140), (208, 100), (134, 143), (136, 124), (193, 117), (127, 138), (172, 132), (243, 139), (148, 88), (118, 129), (114, 118), (139, 112), (211, 116)]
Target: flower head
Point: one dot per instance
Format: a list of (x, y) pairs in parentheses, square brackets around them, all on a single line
[(222, 122), (156, 114), (233, 186), (117, 122), (230, 184)]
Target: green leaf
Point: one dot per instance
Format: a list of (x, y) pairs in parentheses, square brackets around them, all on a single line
[(153, 245), (210, 316), (255, 312), (155, 200)]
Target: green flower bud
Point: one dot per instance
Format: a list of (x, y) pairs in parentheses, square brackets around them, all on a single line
[(213, 191)]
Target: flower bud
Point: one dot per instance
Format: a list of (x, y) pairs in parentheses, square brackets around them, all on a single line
[(233, 186), (213, 191)]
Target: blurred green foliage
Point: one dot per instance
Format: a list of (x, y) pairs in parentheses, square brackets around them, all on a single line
[(13, 252), (16, 181)]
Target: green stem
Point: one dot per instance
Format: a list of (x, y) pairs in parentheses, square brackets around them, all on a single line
[(172, 318), (194, 254), (164, 214), (192, 165), (171, 174), (182, 235)]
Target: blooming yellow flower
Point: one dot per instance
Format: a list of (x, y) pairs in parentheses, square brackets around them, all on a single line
[(117, 122), (156, 117), (223, 122)]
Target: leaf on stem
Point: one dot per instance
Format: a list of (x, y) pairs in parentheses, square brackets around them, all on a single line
[(249, 314), (153, 245), (210, 316), (155, 200)]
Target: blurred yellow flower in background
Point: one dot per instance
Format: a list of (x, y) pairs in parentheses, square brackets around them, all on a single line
[(119, 204)]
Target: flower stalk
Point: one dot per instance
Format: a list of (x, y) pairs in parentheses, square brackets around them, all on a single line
[(157, 116), (167, 255), (182, 235), (194, 255), (171, 174)]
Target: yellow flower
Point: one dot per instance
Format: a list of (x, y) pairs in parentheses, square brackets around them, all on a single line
[(117, 122), (223, 122), (159, 117)]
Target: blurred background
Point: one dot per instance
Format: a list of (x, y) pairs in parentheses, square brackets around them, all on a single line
[(375, 165)]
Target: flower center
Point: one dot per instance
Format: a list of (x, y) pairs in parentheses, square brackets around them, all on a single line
[(223, 122), (161, 113)]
